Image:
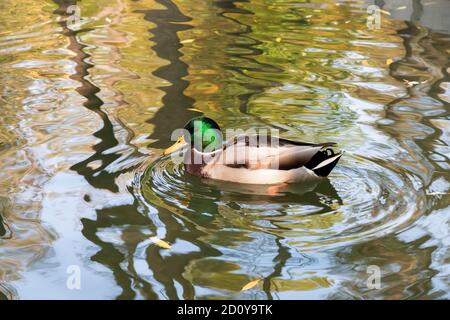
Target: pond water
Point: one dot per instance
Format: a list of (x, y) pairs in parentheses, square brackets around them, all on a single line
[(87, 109)]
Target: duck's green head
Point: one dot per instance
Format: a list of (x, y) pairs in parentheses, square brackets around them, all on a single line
[(201, 133)]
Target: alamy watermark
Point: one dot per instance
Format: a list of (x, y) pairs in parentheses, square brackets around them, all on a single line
[(74, 20), (374, 17), (374, 280), (73, 281)]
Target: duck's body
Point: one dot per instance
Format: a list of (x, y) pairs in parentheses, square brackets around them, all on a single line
[(276, 162), (256, 159)]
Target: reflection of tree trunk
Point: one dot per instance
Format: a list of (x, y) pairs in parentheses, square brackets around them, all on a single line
[(113, 258), (96, 176), (166, 270), (174, 113), (7, 292), (421, 55), (93, 103), (280, 261), (169, 269), (4, 230), (108, 254), (254, 86)]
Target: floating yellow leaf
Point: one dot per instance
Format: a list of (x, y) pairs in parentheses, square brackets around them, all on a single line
[(250, 285), (187, 41), (278, 39), (160, 243), (389, 61), (195, 110)]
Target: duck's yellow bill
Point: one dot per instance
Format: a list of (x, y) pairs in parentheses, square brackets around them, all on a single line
[(176, 146)]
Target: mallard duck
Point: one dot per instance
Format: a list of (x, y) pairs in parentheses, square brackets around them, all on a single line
[(251, 159)]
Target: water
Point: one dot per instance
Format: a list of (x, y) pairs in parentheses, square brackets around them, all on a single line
[(86, 113)]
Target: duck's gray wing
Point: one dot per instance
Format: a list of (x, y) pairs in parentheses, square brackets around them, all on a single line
[(256, 152)]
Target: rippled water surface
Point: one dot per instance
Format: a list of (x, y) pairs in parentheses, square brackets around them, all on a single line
[(85, 113)]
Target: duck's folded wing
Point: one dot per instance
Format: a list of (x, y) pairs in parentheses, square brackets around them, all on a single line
[(295, 157), (282, 155)]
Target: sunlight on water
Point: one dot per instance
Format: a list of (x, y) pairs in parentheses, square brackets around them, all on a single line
[(86, 113)]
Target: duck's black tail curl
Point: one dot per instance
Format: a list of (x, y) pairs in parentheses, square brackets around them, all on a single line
[(324, 161)]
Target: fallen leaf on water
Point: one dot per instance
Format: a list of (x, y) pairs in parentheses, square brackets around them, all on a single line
[(389, 61), (160, 243), (187, 41), (250, 285), (194, 109), (278, 39)]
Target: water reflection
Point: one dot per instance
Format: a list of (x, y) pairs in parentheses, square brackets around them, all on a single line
[(119, 256), (175, 111), (4, 230), (92, 168), (93, 103), (221, 216), (242, 53), (89, 187)]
